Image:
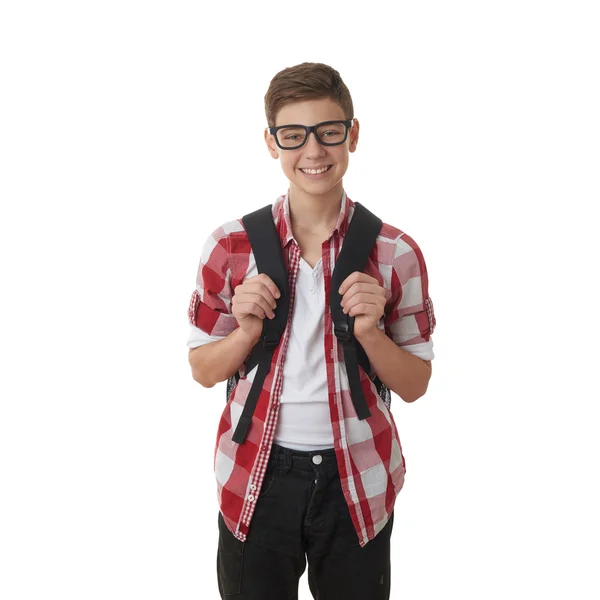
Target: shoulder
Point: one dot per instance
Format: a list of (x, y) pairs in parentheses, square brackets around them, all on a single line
[(394, 250), (228, 245), (391, 241), (237, 237), (395, 247), (226, 230)]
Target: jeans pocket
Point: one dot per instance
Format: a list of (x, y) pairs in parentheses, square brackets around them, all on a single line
[(269, 480), (230, 560)]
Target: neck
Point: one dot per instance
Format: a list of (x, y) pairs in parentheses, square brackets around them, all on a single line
[(315, 213)]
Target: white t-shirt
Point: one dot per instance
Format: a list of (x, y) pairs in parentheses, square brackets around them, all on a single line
[(304, 422)]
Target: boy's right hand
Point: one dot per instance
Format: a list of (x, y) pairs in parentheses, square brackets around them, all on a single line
[(252, 301)]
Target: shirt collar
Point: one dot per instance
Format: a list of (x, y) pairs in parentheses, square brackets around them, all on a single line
[(285, 225)]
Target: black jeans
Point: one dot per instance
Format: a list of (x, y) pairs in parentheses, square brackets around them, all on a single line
[(301, 513)]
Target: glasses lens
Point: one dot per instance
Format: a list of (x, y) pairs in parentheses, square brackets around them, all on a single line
[(329, 134), (290, 137)]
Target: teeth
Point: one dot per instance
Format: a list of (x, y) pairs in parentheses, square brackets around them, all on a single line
[(315, 171)]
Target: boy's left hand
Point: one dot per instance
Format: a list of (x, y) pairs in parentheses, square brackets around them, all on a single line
[(364, 299)]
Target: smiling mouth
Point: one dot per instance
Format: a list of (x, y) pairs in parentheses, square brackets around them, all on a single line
[(306, 171)]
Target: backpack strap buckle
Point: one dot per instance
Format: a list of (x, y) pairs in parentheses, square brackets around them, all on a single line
[(343, 324), (342, 331)]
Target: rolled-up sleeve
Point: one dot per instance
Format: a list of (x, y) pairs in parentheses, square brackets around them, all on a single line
[(409, 316), (209, 312)]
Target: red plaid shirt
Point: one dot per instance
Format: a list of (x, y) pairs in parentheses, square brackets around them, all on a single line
[(369, 454)]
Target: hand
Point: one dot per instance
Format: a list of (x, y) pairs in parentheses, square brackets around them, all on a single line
[(364, 299), (252, 301)]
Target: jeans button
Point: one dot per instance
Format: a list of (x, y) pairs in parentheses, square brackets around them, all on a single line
[(317, 459)]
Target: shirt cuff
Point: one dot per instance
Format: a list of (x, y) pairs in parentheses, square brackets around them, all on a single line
[(197, 337), (423, 350)]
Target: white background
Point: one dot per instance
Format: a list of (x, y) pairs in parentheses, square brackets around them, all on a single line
[(130, 130)]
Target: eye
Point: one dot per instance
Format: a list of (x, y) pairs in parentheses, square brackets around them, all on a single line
[(331, 132)]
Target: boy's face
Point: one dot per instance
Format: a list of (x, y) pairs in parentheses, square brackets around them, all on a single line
[(313, 154)]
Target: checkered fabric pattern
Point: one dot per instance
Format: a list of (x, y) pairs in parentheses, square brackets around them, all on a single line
[(369, 453)]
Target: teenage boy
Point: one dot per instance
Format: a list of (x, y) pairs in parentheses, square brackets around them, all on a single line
[(310, 480)]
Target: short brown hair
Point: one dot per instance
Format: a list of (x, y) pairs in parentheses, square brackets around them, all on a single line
[(306, 81)]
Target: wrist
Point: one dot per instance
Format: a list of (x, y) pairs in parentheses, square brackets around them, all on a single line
[(247, 338), (368, 336)]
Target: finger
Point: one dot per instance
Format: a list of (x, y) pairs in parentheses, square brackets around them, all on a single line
[(362, 298), (356, 277), (367, 288), (263, 303), (270, 284), (363, 309), (348, 282), (251, 308), (263, 290), (259, 300), (245, 309)]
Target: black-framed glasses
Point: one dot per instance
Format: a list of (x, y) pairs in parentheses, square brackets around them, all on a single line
[(328, 133)]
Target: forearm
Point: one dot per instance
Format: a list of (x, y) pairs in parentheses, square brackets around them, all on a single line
[(217, 361), (404, 373)]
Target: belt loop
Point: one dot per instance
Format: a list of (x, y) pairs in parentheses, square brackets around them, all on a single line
[(287, 461), (275, 456)]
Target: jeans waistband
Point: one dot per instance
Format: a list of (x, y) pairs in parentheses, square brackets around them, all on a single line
[(302, 459)]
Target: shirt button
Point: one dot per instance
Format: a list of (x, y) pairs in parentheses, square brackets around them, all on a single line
[(251, 498), (317, 459), (252, 487)]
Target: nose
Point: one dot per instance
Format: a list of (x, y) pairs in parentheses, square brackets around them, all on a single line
[(312, 147)]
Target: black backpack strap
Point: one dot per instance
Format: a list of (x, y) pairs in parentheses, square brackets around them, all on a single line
[(266, 247), (358, 243)]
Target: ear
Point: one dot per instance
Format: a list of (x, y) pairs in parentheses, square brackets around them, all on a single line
[(353, 135), (271, 144)]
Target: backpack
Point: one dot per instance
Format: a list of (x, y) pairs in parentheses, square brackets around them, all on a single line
[(266, 246)]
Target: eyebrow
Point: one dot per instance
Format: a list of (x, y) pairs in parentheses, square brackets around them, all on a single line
[(320, 123)]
